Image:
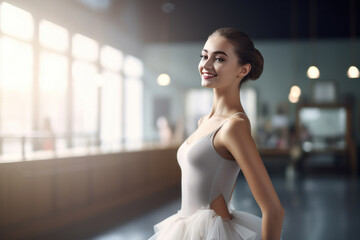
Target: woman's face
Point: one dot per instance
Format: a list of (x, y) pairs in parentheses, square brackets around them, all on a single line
[(219, 65)]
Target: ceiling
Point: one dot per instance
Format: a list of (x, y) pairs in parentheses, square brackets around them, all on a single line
[(194, 20)]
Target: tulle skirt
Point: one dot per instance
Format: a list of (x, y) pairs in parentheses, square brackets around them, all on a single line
[(205, 224)]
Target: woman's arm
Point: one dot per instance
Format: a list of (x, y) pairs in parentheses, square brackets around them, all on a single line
[(237, 139)]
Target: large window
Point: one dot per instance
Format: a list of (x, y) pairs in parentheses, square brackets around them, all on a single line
[(111, 60), (53, 36), (53, 88), (85, 97), (55, 95), (16, 22), (85, 73), (111, 109), (133, 70), (16, 76), (53, 83), (16, 85), (198, 103)]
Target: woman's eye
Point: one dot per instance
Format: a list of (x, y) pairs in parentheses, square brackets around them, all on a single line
[(203, 56), (219, 59)]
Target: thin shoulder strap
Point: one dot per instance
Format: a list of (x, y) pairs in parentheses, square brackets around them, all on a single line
[(238, 113)]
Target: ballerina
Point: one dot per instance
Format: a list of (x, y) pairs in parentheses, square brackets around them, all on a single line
[(211, 158)]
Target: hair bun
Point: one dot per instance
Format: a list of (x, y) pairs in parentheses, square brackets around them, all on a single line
[(245, 51), (257, 65)]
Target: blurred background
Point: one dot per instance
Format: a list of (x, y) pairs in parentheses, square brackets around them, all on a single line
[(97, 95)]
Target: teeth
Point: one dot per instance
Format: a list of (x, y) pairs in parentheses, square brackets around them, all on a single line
[(209, 75)]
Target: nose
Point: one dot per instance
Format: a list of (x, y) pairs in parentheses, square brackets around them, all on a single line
[(207, 64)]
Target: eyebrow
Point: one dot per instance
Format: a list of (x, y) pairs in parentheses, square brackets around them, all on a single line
[(217, 52)]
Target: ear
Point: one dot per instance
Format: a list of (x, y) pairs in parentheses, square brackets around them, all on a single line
[(244, 70)]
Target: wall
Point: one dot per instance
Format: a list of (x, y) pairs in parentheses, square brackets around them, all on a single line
[(41, 197), (285, 63)]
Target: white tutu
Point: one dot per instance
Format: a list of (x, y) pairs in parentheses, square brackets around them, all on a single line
[(205, 224)]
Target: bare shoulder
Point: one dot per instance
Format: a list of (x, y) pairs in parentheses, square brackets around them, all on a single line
[(237, 139), (236, 126), (238, 122)]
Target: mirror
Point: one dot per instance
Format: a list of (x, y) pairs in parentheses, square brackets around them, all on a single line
[(322, 128)]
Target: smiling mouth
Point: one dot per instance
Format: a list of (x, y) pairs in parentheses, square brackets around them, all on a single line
[(208, 75)]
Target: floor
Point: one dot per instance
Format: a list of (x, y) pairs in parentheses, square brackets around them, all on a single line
[(317, 207)]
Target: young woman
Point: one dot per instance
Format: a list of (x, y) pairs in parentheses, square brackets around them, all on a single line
[(211, 158)]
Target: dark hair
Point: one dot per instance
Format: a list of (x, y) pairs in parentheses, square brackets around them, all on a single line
[(245, 51)]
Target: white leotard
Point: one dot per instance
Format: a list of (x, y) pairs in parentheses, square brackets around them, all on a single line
[(205, 176), (204, 173)]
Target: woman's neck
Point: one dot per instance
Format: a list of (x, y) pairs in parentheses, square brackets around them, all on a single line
[(226, 102)]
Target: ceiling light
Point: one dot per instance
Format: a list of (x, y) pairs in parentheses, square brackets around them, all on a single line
[(295, 91), (293, 99), (163, 79), (313, 72), (353, 72)]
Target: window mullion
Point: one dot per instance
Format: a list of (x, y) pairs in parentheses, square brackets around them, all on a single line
[(35, 88), (70, 94)]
